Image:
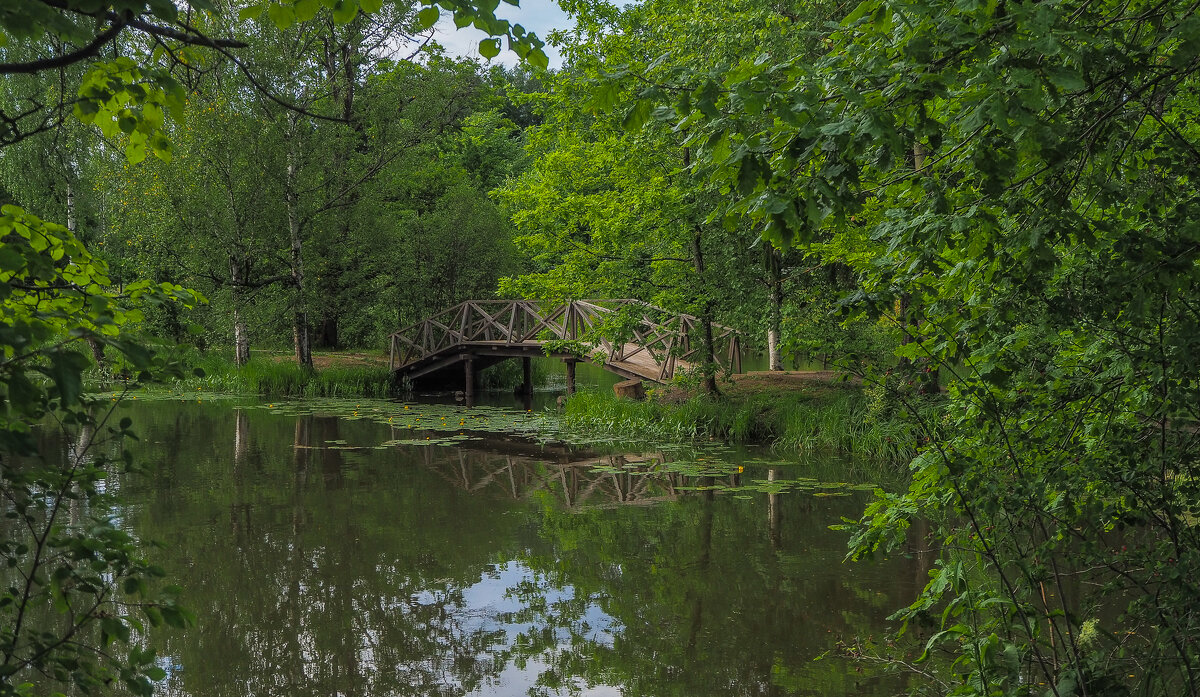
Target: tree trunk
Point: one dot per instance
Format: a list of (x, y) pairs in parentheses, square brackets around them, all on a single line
[(774, 515), (300, 332), (907, 325), (774, 307), (695, 596), (241, 339), (341, 70), (241, 437), (326, 333), (906, 337), (708, 362), (96, 347), (70, 207)]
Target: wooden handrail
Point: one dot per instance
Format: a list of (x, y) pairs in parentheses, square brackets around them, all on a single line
[(664, 339)]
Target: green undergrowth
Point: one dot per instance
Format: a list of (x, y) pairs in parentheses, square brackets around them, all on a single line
[(268, 378), (839, 420), (508, 375)]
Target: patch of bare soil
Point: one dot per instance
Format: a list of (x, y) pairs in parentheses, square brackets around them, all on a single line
[(342, 359)]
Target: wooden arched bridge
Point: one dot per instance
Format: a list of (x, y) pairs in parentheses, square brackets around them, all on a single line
[(479, 333)]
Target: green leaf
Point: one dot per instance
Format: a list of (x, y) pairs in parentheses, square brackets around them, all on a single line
[(1066, 79), (489, 48), (427, 17), (307, 9), (114, 628), (637, 116), (605, 96), (345, 11), (163, 9), (66, 370), (749, 174), (859, 12), (135, 150), (11, 258), (283, 16), (538, 58)]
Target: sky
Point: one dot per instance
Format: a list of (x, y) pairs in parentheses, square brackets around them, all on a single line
[(538, 16)]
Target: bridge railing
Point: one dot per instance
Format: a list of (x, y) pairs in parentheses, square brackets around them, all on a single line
[(669, 340)]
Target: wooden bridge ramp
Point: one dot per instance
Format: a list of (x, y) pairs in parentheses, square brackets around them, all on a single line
[(479, 333)]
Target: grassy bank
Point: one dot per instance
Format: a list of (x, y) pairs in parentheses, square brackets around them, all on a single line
[(833, 419), (270, 377)]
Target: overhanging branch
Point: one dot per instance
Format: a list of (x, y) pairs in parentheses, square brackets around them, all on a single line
[(93, 48)]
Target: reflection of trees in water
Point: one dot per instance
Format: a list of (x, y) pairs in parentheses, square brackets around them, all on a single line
[(317, 570), (331, 597), (705, 597)]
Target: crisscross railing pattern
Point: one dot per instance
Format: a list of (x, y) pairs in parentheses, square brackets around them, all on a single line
[(656, 342)]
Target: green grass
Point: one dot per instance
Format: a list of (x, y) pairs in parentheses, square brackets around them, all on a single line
[(286, 379), (837, 420)]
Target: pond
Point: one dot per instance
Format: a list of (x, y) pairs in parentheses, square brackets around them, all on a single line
[(343, 548)]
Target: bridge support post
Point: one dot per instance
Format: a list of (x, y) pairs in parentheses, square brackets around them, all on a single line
[(469, 380), (526, 376), (570, 375)]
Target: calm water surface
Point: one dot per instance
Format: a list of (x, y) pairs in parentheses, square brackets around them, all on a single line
[(320, 563)]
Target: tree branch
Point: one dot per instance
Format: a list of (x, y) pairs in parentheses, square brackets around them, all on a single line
[(101, 40)]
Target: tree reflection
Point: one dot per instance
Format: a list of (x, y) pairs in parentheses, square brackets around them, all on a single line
[(706, 597), (312, 577), (318, 567)]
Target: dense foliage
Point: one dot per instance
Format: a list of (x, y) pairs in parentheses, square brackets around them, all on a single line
[(1004, 190), (91, 89), (74, 582), (610, 208), (1019, 179)]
